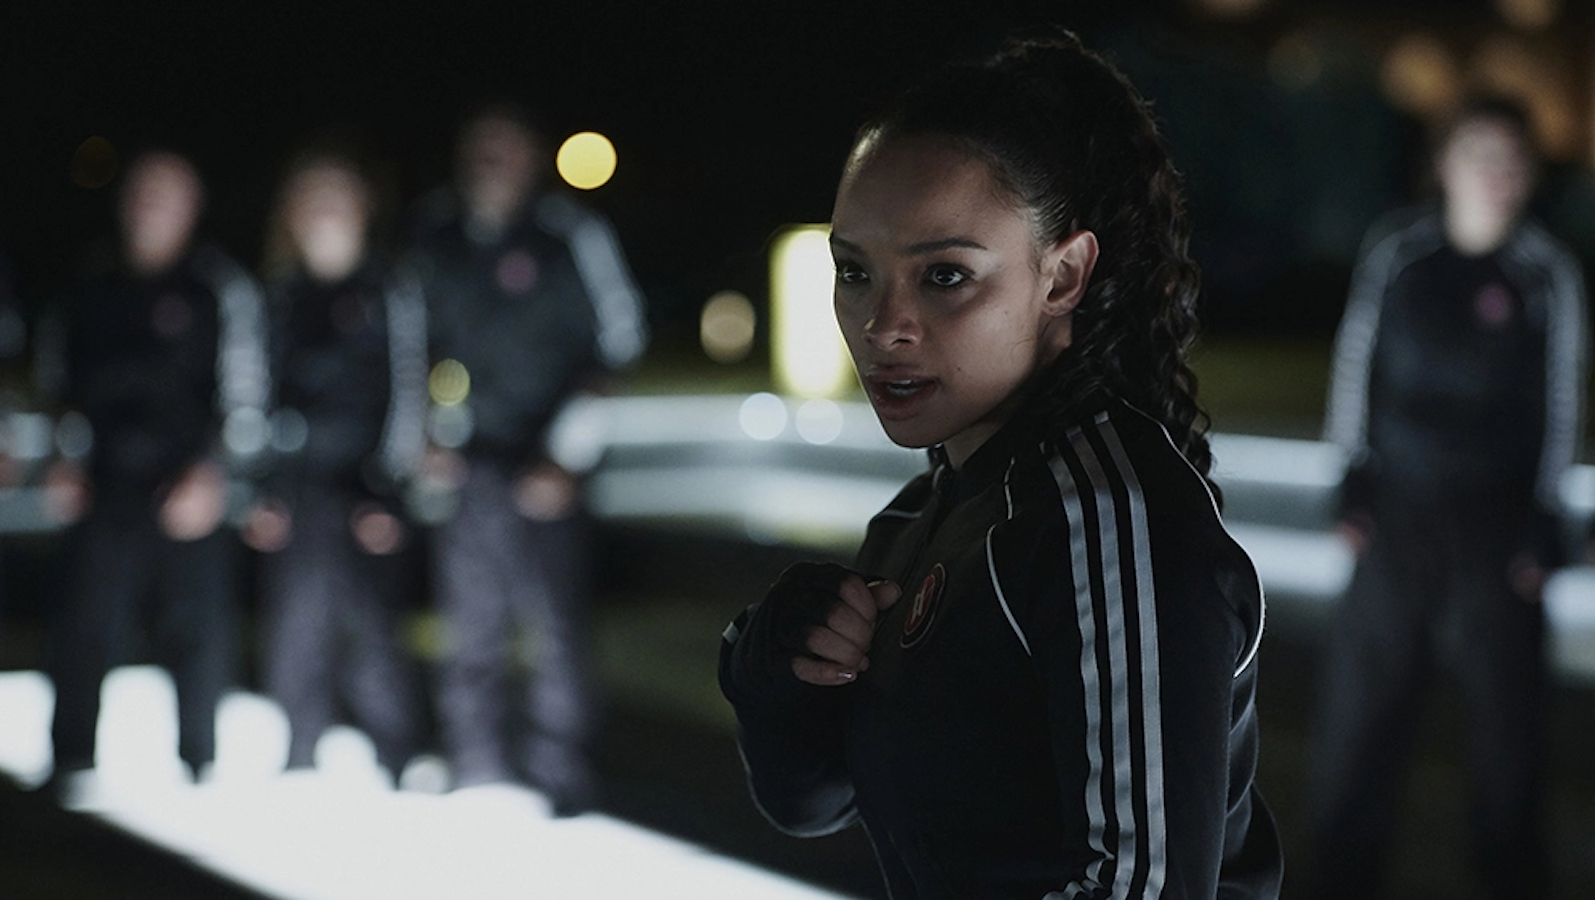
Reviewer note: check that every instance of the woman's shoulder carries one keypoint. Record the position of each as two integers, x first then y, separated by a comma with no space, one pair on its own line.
1125,457
1124,488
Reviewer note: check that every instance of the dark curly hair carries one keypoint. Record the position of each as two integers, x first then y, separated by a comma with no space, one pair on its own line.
1071,140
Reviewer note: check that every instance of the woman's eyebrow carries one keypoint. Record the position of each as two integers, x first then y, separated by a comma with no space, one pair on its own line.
944,244
918,249
844,244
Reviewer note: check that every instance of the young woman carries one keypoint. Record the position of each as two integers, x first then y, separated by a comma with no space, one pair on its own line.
1457,387
349,364
1038,679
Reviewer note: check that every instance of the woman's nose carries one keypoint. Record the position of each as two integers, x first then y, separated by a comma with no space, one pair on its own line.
894,320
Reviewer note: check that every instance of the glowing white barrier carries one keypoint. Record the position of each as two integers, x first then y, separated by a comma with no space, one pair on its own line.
337,832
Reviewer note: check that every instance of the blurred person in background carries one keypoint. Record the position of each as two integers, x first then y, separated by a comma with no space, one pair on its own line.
156,365
348,362
1457,395
13,341
14,386
529,302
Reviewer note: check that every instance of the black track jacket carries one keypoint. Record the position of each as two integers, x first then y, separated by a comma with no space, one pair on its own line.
532,314
165,369
1459,374
350,365
1062,703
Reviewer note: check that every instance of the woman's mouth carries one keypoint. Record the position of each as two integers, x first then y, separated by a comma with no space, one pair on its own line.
904,388
900,398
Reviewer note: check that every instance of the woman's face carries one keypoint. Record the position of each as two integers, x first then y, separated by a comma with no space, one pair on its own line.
946,299
1486,170
327,214
159,207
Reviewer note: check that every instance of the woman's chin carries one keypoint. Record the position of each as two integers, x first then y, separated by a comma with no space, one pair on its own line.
906,434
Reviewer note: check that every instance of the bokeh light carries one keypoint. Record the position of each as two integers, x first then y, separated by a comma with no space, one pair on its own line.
1231,9
810,359
94,163
449,383
289,430
1527,71
819,421
1296,61
726,327
74,436
762,416
1420,75
586,160
1529,15
246,431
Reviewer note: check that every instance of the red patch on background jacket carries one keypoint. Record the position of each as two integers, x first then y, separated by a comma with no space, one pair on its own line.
516,272
922,613
1494,306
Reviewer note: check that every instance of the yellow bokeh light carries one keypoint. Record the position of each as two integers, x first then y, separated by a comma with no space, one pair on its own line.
586,160
1296,60
726,327
809,356
1525,71
1233,9
1420,75
449,383
94,163
1530,15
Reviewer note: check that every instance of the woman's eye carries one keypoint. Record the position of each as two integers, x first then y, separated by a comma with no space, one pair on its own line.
850,273
946,276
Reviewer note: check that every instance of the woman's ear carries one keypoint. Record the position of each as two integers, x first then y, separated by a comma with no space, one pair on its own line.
1069,262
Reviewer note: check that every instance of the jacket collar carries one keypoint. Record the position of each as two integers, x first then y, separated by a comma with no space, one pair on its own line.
986,467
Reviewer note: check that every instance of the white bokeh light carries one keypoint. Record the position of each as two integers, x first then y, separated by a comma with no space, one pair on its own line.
763,416
819,421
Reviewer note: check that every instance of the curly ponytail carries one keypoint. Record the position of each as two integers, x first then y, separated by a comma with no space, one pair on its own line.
1072,141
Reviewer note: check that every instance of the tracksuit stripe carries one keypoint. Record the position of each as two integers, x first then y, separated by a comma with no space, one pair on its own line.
1346,420
1151,688
1109,606
1116,614
1085,619
1564,358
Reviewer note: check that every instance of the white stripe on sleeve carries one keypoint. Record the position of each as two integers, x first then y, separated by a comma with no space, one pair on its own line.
618,305
1085,620
1566,342
1120,528
404,431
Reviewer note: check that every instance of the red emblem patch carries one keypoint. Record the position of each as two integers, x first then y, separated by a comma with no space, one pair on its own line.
922,613
517,272
171,317
1494,306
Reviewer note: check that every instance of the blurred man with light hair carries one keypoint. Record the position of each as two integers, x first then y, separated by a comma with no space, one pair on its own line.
529,301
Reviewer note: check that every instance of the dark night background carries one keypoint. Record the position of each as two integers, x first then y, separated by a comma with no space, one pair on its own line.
730,118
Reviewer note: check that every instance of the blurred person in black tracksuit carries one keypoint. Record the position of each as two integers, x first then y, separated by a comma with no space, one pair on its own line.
348,354
1457,394
156,364
13,342
529,301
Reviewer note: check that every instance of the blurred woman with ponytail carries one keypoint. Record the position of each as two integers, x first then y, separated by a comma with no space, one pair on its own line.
349,366
1038,678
